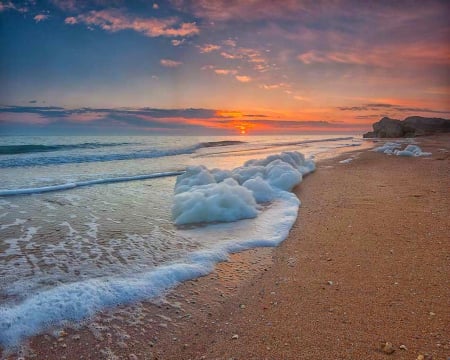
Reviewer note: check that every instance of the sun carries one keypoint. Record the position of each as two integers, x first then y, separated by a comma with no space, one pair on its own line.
243,132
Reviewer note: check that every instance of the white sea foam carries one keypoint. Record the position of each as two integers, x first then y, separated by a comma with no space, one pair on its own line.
346,161
412,150
71,302
68,186
393,148
204,195
75,301
16,222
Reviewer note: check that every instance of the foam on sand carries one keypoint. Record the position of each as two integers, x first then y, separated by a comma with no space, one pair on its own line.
204,195
393,148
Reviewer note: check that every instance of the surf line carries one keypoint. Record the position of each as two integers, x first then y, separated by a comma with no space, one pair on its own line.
73,185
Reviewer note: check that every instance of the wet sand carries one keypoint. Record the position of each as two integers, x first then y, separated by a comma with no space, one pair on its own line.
366,263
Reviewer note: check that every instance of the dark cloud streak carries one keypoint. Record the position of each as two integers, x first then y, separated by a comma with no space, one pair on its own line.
398,108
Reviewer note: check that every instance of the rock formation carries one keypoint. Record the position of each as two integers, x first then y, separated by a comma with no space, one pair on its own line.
410,127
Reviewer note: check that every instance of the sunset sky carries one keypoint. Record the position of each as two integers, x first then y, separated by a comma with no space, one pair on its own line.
220,67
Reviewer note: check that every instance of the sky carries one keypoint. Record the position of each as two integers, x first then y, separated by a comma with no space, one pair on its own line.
220,67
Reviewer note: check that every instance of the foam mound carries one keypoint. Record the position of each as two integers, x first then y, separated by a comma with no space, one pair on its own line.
203,195
412,150
393,148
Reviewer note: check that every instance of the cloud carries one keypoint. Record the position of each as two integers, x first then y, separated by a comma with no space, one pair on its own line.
79,5
45,111
66,5
51,119
32,102
177,42
114,20
255,115
60,112
6,5
322,57
300,98
225,71
243,78
274,86
41,17
170,63
227,55
155,6
207,48
391,107
71,20
229,42
252,56
225,10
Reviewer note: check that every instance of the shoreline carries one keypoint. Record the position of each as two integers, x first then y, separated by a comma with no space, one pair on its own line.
237,299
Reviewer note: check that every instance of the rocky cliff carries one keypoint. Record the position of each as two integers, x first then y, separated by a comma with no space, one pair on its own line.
410,127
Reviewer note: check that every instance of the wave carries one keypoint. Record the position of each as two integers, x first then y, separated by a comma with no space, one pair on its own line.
72,185
291,143
76,301
275,175
87,158
221,143
282,144
27,149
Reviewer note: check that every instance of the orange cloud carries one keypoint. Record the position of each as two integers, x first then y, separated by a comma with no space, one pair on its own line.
229,114
243,78
41,17
225,71
114,20
207,48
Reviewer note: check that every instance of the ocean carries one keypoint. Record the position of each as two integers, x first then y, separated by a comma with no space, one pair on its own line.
87,223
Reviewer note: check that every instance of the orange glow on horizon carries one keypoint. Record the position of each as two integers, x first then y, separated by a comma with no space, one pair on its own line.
229,114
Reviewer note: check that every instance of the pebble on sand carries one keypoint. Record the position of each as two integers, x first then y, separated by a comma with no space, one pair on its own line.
387,347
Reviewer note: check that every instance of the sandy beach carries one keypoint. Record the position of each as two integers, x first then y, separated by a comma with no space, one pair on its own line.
366,263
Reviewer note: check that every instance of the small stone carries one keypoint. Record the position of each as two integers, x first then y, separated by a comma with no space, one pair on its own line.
76,337
387,347
420,357
62,333
64,345
242,306
403,347
132,357
329,282
185,346
432,313
235,337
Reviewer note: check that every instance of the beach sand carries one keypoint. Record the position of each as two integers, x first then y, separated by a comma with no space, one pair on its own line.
367,262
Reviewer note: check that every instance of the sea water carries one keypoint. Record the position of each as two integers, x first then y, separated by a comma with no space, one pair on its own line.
88,222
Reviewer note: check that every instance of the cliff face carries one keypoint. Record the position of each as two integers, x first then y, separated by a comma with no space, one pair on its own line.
410,127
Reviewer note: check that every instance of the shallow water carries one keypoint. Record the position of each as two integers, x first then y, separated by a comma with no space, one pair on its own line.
108,241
